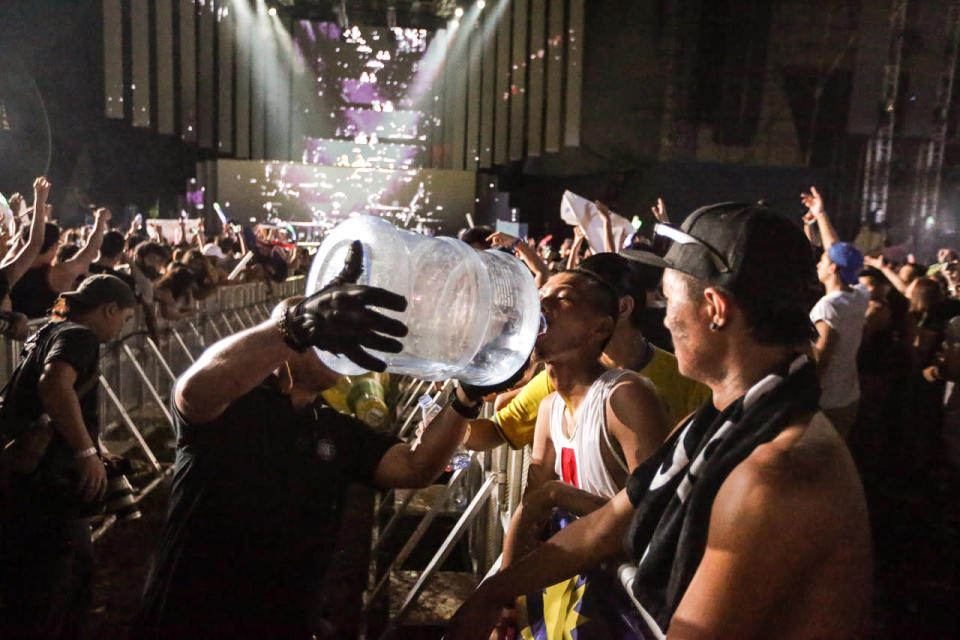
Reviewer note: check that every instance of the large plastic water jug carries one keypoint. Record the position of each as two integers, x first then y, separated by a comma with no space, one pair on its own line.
472,315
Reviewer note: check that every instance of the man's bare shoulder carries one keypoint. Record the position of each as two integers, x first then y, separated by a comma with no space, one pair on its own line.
631,389
802,487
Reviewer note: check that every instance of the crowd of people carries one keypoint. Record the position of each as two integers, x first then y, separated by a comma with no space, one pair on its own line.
43,260
700,408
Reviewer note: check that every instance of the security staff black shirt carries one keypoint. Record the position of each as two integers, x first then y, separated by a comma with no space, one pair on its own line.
253,515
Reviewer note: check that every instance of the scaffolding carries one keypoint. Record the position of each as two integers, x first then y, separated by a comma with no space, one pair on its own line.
879,152
929,168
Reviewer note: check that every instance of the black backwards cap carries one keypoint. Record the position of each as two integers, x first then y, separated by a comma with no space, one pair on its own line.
746,248
102,289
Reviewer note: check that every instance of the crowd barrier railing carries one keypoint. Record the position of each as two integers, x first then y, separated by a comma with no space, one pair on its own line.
492,483
137,373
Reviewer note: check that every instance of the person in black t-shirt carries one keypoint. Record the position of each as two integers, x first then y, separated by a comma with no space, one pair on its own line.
261,466
46,552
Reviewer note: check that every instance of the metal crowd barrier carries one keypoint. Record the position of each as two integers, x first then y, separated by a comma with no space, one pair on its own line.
137,373
493,482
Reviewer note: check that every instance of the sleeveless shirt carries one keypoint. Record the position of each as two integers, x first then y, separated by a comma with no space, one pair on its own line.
579,459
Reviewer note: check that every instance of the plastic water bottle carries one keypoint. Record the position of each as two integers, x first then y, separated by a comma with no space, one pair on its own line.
428,411
460,459
471,315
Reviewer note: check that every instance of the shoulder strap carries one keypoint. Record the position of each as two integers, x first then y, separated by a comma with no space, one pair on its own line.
608,387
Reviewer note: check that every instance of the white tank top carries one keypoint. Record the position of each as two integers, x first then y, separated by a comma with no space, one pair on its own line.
579,459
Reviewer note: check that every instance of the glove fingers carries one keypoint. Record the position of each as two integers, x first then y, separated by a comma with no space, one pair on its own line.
352,266
364,359
380,343
377,297
383,324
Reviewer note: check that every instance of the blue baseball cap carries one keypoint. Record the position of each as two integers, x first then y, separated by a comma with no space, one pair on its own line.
848,259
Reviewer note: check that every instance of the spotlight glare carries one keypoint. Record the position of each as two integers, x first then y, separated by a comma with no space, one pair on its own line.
272,11
458,12
481,4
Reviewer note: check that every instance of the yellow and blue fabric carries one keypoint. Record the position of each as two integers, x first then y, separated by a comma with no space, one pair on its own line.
590,606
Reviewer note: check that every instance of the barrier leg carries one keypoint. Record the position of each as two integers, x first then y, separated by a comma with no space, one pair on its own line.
414,538
150,388
458,530
183,345
381,536
223,316
213,325
163,361
253,321
130,423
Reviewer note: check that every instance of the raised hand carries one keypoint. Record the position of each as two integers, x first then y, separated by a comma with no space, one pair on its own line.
814,204
501,239
14,202
337,318
41,189
603,211
660,212
102,215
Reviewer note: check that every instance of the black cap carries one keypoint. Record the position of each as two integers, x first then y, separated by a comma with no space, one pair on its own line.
102,289
747,248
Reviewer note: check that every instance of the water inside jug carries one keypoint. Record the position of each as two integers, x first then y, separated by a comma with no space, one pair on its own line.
472,315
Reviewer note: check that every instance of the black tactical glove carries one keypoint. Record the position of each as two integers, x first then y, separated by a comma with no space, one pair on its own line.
336,318
475,393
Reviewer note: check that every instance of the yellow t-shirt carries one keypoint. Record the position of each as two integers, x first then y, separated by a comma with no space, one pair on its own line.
681,396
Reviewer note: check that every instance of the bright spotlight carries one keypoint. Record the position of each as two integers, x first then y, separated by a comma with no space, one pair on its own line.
481,4
458,12
454,24
272,11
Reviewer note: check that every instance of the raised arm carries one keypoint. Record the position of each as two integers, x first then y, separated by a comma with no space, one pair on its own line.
815,211
529,256
63,275
891,275
22,260
604,212
579,237
336,319
228,370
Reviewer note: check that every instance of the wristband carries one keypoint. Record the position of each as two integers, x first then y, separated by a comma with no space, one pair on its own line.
85,453
515,245
283,325
463,410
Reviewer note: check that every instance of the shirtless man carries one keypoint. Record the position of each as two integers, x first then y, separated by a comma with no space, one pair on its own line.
750,521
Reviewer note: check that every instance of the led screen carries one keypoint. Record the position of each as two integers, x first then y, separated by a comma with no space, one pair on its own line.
428,200
366,104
